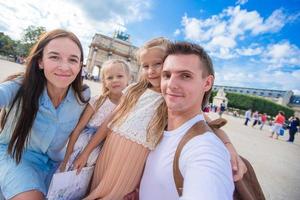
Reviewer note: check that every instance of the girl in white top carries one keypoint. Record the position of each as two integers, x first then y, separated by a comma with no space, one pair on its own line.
121,161
115,75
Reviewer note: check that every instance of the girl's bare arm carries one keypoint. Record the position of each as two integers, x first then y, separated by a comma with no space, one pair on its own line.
84,119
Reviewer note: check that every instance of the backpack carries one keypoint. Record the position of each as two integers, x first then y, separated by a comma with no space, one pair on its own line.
247,188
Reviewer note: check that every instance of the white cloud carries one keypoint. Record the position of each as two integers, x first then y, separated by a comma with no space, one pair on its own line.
285,80
221,33
220,47
177,32
84,21
123,11
250,51
219,29
241,21
241,2
192,28
272,24
258,77
223,41
282,54
210,32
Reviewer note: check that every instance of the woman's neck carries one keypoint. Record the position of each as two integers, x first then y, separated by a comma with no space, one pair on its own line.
56,95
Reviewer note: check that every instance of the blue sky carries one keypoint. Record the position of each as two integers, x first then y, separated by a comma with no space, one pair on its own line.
253,43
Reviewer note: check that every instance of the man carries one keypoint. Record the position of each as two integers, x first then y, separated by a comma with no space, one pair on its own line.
294,123
187,79
247,116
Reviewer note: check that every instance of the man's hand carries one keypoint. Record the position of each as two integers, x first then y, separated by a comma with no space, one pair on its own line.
238,166
132,195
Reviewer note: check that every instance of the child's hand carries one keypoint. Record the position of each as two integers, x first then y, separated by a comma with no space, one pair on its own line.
62,166
80,162
238,166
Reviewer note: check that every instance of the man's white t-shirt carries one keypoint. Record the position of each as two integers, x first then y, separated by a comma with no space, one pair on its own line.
204,163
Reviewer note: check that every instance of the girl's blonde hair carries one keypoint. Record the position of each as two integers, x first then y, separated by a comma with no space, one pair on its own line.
104,89
128,101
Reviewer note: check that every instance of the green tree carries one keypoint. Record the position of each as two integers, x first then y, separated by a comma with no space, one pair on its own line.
20,48
7,45
244,102
30,36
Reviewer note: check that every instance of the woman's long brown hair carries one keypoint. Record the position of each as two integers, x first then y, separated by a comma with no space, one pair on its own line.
33,83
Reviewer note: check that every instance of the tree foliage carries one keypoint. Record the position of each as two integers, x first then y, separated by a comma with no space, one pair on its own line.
7,45
30,36
10,47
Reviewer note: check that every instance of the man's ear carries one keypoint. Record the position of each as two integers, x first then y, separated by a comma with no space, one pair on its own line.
209,81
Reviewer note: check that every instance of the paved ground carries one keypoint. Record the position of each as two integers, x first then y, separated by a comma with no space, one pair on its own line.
276,162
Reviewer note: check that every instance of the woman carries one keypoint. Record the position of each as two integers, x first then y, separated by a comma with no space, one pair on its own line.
42,108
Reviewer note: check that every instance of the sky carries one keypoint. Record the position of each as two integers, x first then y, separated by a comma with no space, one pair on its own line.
253,43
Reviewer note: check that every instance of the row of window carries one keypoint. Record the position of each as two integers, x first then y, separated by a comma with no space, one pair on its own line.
253,92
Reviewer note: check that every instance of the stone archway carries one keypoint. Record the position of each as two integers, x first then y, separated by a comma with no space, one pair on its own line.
96,73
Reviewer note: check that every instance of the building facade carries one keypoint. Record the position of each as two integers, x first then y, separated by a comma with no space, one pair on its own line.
103,48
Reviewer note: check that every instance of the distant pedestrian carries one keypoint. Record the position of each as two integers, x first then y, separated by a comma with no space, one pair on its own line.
263,120
278,123
255,118
235,113
206,109
222,108
215,108
247,116
95,74
293,128
84,73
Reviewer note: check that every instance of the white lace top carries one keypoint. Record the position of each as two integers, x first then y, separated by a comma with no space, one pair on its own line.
105,109
134,127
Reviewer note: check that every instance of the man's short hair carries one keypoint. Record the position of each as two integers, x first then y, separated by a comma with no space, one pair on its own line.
187,48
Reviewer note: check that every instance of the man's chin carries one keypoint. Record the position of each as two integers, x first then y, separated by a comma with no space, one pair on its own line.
174,107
